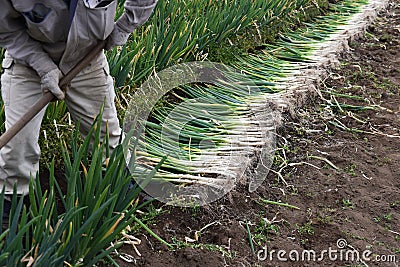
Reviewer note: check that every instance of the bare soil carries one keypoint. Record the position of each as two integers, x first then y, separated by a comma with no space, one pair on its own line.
339,166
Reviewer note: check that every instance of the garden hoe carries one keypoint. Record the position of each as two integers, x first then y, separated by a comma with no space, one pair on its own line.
48,96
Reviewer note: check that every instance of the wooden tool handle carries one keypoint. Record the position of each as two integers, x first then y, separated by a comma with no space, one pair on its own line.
48,97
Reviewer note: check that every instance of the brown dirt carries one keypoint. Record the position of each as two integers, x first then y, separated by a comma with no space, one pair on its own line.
358,202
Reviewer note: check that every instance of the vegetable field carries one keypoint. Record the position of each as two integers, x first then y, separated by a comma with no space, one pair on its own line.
331,132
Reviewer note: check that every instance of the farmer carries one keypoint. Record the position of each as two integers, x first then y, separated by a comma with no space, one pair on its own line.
44,40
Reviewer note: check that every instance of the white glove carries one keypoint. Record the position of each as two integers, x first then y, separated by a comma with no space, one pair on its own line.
116,38
50,82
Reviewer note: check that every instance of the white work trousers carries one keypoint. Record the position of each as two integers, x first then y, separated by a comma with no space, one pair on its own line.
20,89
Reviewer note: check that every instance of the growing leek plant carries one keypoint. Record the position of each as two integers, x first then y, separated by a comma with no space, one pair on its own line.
73,226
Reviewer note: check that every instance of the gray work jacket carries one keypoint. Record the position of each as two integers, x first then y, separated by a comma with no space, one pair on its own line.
37,33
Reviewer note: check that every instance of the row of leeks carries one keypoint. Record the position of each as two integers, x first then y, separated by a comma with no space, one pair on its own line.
215,135
310,46
182,31
206,138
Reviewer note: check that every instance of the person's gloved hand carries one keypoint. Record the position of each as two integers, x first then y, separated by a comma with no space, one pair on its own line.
49,82
116,38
